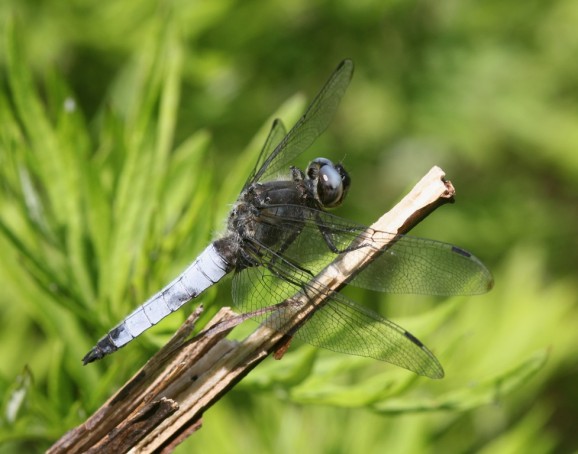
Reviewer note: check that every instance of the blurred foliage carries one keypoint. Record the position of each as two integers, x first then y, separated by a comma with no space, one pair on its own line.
120,130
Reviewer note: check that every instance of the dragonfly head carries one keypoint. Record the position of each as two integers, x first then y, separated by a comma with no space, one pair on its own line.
329,182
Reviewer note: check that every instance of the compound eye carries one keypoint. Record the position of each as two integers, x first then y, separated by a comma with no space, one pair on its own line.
330,186
329,182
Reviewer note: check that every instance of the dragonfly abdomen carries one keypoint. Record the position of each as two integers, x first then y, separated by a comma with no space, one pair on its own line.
206,270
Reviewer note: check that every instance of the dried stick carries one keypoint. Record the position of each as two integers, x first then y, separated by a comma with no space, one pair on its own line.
163,403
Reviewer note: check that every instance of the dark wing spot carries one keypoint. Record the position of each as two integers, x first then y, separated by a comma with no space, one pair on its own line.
414,339
460,251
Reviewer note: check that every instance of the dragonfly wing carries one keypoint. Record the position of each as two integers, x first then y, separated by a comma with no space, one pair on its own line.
344,326
315,120
338,324
274,138
410,266
427,267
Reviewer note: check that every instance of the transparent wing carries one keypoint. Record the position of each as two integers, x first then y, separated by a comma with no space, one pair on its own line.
315,120
410,266
274,138
338,324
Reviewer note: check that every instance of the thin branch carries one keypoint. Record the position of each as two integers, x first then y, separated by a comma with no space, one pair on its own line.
164,402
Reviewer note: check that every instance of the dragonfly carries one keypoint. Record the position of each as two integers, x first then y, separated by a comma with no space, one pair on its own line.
279,236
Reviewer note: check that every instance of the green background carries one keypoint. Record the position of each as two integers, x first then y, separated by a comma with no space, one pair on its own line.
127,129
